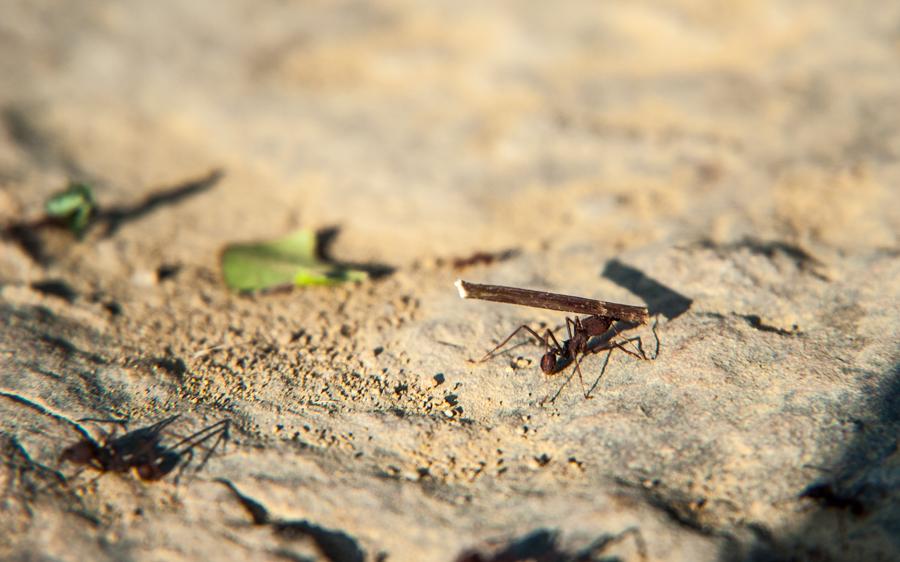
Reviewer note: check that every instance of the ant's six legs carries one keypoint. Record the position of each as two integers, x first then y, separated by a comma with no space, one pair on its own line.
609,346
581,331
640,354
548,335
609,349
571,326
219,430
490,354
181,454
577,371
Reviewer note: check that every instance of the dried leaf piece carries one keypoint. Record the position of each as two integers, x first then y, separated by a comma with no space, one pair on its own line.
290,260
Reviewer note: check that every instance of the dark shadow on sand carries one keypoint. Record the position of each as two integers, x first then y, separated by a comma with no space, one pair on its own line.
325,238
29,234
542,545
856,498
334,545
659,298
113,218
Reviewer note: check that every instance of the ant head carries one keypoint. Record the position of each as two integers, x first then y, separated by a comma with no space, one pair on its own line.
82,452
548,362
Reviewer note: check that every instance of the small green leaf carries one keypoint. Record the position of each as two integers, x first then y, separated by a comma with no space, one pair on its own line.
287,261
74,206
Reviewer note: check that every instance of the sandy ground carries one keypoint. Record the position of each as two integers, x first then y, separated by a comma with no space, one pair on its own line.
734,166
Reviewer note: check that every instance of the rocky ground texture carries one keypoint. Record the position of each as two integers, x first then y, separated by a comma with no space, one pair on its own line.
733,166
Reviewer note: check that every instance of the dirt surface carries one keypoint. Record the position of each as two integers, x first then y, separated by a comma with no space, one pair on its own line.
732,166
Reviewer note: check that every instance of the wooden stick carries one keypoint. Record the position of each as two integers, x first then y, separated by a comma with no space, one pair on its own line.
553,301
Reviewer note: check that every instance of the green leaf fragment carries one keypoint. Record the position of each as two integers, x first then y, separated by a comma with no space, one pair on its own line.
287,261
74,206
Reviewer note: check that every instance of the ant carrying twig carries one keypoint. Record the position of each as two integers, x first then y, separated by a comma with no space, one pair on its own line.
603,317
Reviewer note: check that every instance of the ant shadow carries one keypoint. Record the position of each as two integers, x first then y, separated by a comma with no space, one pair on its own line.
543,545
28,480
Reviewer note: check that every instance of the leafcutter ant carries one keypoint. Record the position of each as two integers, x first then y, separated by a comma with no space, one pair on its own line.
602,317
144,451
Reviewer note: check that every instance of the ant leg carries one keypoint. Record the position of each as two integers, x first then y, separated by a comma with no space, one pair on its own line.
580,377
71,479
89,483
639,346
577,371
159,426
609,350
559,391
602,370
200,436
548,335
218,430
490,354
222,436
183,465
617,345
107,436
640,343
166,460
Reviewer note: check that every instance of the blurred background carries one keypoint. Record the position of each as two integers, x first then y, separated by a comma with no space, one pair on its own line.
423,128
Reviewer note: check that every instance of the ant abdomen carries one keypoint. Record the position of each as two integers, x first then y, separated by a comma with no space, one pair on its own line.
159,467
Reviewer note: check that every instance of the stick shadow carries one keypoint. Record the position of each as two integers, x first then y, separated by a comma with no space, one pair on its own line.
659,298
325,238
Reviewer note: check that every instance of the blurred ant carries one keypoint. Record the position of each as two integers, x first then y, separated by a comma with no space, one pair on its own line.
144,451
